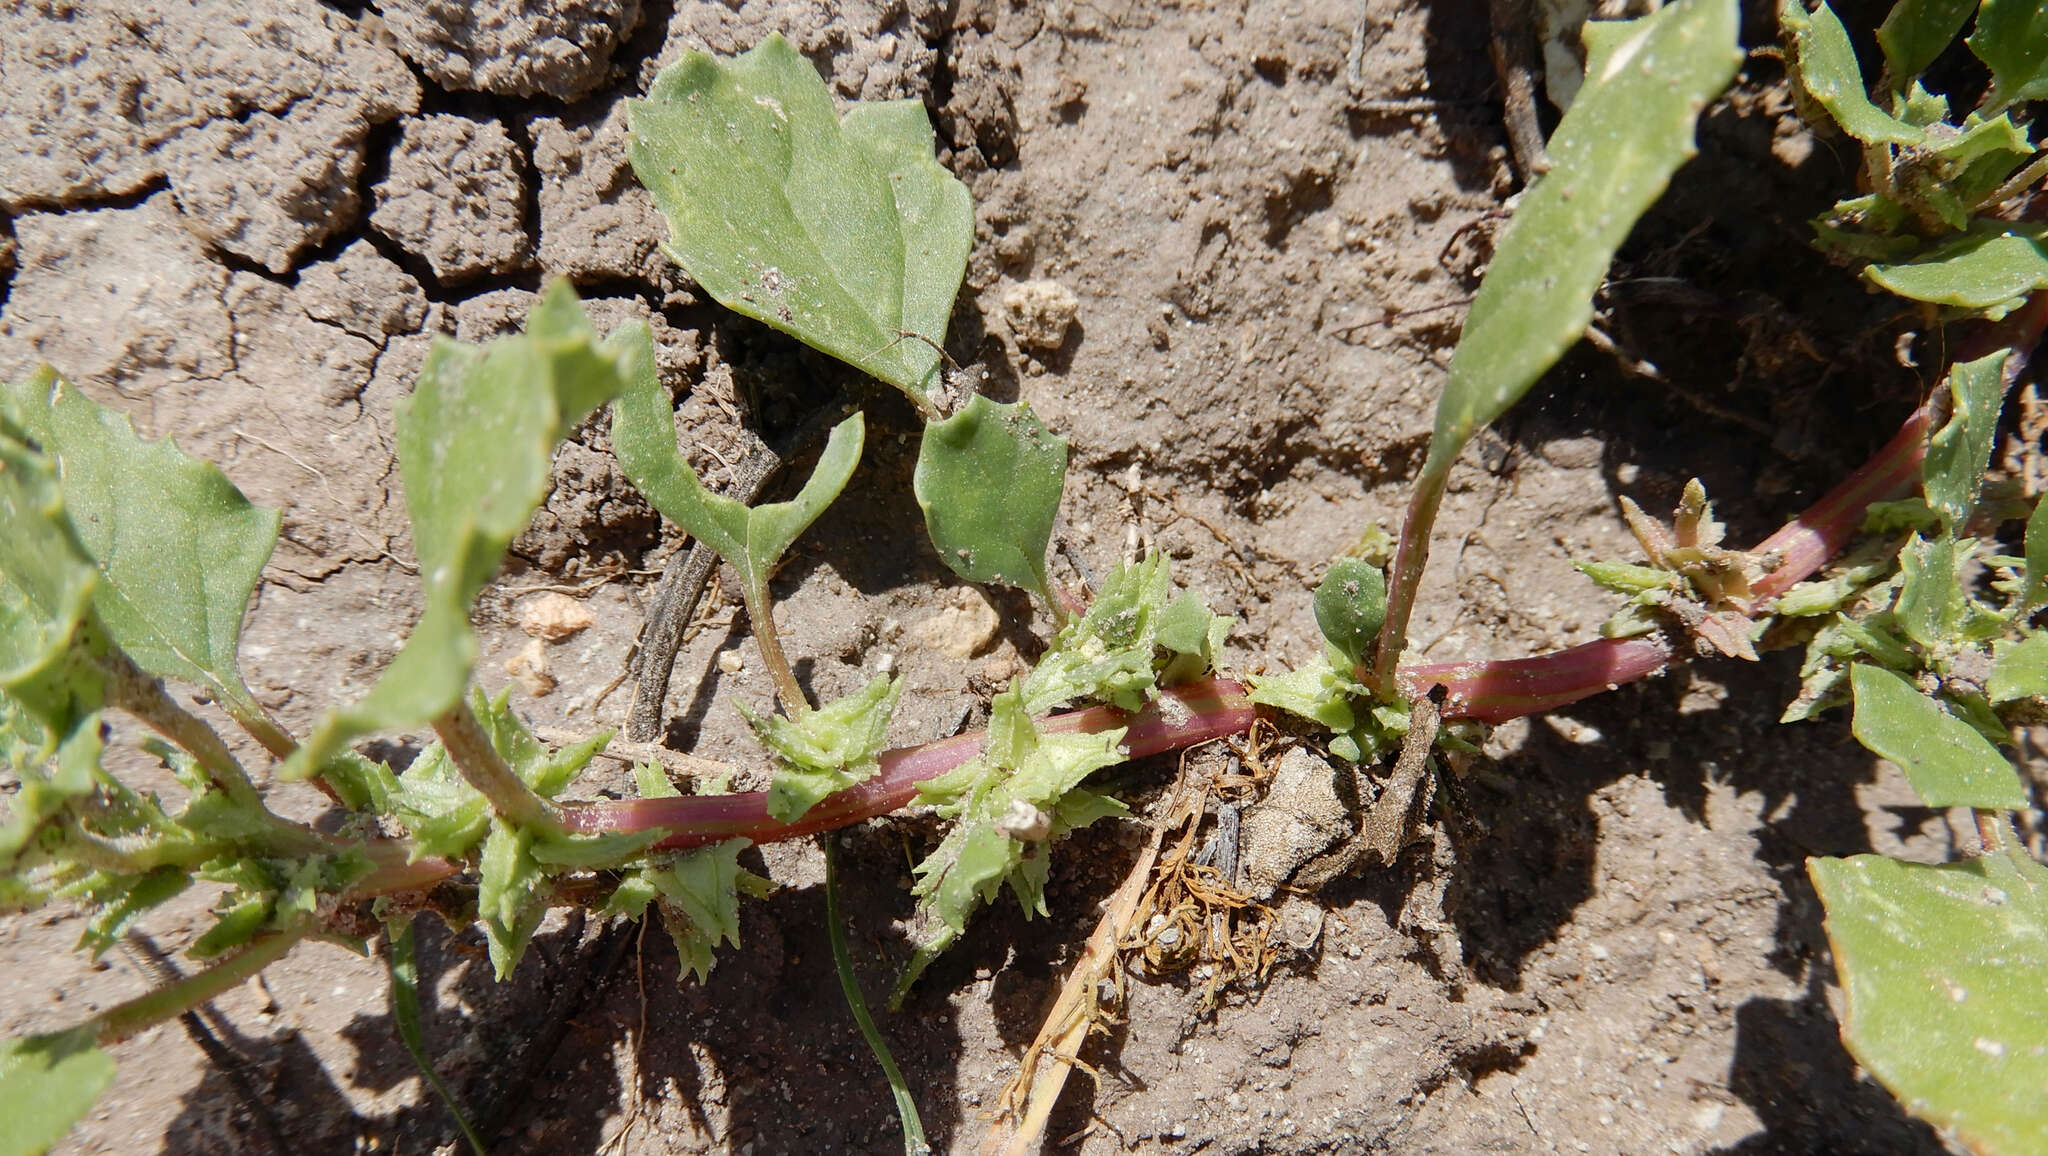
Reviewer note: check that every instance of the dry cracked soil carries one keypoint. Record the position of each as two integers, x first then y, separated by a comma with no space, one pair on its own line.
243,223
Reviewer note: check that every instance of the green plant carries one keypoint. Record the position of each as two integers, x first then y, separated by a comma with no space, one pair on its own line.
123,563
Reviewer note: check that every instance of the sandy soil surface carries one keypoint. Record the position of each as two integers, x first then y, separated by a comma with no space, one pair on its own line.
243,223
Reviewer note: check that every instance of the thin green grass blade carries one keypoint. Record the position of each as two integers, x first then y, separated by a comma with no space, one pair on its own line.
405,1012
914,1142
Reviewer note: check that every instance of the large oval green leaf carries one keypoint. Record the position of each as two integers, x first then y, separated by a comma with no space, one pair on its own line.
846,235
1945,973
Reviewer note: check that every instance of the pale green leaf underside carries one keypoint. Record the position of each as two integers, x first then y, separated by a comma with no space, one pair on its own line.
180,547
1945,971
1977,272
989,480
843,234
1628,130
47,1084
476,443
1945,759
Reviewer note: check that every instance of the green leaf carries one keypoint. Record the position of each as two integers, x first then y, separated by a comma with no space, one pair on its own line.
1983,271
1945,973
700,902
508,894
476,442
1931,605
122,899
1959,451
1916,32
547,772
1021,770
1019,795
47,630
1351,603
988,479
1193,635
1319,692
178,545
46,786
2011,38
844,235
1947,761
2019,670
1628,130
753,539
47,1084
236,926
405,1013
1629,579
2036,591
825,750
1109,653
445,815
1826,66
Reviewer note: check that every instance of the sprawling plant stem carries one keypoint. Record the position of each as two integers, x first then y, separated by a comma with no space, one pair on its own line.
1497,690
168,1002
1183,716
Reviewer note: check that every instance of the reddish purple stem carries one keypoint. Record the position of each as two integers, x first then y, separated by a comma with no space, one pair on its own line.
1490,691
1182,717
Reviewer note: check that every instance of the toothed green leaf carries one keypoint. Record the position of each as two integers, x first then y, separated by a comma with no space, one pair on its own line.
1108,653
1826,65
508,902
700,901
1959,451
825,750
178,546
445,815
